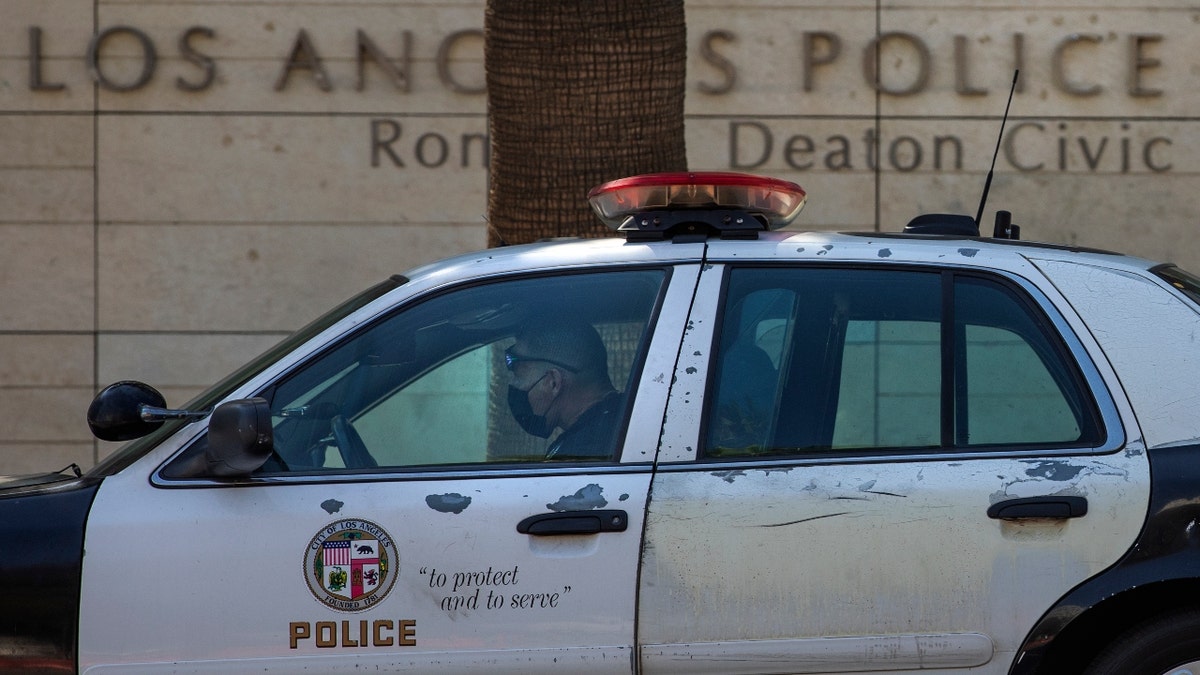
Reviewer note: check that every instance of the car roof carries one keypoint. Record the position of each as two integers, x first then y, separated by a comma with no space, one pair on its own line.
897,246
568,253
556,254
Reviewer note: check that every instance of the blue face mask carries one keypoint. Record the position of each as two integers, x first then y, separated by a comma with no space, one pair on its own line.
522,411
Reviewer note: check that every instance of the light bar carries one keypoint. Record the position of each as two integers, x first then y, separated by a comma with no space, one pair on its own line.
778,201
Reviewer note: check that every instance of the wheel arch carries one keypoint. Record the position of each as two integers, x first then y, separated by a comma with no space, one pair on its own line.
1088,632
1159,574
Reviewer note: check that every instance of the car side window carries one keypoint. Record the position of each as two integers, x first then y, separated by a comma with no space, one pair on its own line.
826,360
457,378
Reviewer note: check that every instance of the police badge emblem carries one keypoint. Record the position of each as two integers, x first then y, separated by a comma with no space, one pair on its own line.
351,565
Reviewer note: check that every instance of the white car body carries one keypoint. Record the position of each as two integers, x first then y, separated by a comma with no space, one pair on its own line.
884,561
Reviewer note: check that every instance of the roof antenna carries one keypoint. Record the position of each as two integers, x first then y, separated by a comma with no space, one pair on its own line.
987,185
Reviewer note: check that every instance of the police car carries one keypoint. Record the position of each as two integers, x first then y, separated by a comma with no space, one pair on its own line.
704,447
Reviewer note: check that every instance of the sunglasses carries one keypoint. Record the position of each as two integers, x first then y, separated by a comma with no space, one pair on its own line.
511,360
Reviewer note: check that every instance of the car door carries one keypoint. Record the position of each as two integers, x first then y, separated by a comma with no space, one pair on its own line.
405,522
899,467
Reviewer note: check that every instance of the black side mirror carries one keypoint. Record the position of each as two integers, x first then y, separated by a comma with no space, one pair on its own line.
116,412
240,437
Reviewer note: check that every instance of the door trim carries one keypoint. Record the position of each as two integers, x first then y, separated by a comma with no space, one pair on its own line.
820,655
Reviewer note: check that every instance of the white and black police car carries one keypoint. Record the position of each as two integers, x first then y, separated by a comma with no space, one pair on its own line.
705,447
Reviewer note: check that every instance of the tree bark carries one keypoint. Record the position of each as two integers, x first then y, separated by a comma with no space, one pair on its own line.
580,92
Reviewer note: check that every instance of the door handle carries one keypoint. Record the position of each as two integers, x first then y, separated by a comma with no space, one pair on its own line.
1049,506
574,522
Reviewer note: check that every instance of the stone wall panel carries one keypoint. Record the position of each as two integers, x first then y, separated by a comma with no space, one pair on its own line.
243,278
167,217
186,361
291,169
46,360
249,47
46,278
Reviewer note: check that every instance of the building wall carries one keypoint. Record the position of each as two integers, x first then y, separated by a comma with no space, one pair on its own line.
183,183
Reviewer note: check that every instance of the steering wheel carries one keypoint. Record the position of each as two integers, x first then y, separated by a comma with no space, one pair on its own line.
350,445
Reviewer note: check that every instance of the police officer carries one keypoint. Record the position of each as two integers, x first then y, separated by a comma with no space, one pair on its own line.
560,381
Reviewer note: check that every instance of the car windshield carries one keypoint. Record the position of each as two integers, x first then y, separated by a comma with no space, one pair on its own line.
206,400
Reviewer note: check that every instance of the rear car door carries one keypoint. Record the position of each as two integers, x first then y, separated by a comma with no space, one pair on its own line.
406,521
899,467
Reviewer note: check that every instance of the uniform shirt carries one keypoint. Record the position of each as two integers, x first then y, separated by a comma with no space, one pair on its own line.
592,435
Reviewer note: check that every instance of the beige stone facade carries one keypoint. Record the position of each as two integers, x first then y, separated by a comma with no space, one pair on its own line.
182,183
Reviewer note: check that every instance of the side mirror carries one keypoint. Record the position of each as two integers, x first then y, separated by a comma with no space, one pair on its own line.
116,412
240,437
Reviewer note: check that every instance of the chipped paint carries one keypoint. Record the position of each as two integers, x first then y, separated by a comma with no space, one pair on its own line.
874,549
1053,470
1037,477
643,437
681,420
587,497
448,503
867,488
885,253
806,520
729,476
332,506
968,252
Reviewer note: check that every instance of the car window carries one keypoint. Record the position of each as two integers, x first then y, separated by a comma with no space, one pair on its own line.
843,360
430,384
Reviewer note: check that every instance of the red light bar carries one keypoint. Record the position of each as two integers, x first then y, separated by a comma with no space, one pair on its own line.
778,201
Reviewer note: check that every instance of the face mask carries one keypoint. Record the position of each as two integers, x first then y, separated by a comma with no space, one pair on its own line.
522,412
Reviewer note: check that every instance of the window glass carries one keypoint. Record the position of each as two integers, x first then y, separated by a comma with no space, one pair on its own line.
835,360
432,383
1018,390
890,385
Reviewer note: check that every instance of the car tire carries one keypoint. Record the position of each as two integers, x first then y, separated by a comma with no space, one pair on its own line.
1166,645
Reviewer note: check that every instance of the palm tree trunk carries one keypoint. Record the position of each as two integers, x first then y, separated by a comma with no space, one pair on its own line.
579,92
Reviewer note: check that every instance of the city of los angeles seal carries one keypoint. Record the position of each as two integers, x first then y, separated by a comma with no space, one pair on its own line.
350,565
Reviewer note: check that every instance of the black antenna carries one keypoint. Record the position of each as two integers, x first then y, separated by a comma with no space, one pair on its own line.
987,185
